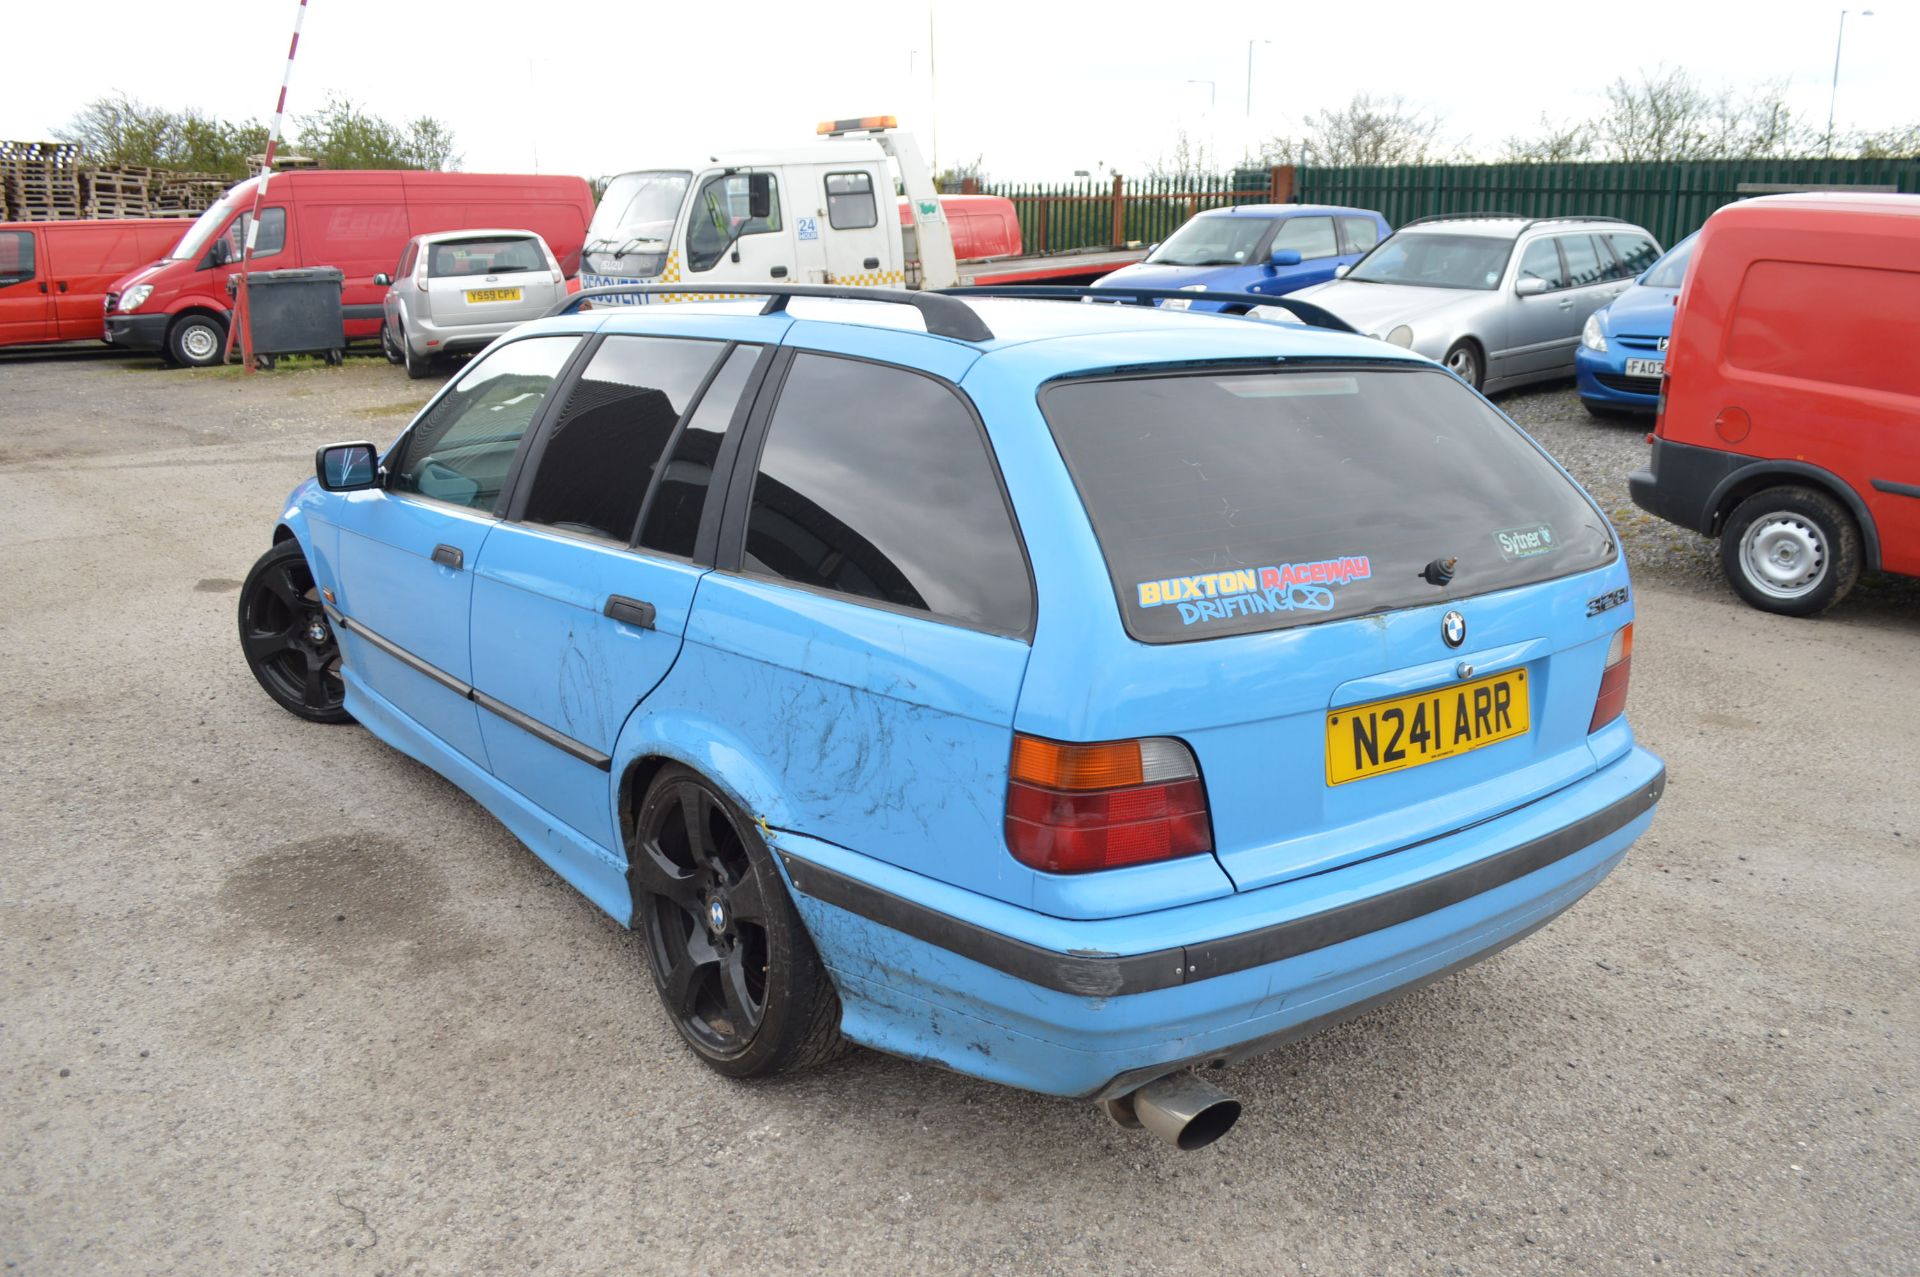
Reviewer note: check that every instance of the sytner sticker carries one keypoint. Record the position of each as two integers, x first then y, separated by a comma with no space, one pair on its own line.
1526,543
1287,587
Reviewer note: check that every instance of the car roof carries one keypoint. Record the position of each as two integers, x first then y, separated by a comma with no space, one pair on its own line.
1496,226
1053,337
1285,210
441,237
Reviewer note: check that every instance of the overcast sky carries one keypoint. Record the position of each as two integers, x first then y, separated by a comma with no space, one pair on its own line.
1039,89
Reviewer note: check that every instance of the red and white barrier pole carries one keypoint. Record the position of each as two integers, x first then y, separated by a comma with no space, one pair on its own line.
243,313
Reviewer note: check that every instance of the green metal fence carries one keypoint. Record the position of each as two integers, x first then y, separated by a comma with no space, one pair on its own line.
1671,200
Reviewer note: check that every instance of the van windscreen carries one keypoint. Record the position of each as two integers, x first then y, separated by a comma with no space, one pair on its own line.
1232,502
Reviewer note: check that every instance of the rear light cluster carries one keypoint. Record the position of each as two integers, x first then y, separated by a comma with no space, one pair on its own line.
1612,701
1075,808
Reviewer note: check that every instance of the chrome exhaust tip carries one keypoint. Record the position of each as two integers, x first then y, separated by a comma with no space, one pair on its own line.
1180,1108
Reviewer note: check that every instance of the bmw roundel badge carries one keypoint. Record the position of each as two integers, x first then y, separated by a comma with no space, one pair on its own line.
1453,628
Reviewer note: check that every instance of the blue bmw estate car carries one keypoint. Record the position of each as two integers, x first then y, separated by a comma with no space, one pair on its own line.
1269,249
1067,695
1623,348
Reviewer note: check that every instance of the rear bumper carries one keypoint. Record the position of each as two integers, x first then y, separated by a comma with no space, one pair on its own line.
1680,481
137,332
451,339
1096,1008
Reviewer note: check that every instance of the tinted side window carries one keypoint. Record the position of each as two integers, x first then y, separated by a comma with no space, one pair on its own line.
1309,236
1542,261
599,454
16,256
1586,262
719,210
850,204
461,449
1636,251
680,496
1362,233
876,482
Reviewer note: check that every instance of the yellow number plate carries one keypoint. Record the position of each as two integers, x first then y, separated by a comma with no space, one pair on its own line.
1393,735
493,294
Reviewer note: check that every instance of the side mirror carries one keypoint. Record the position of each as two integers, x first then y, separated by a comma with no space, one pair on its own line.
759,196
1530,286
383,279
1341,270
347,467
221,252
1285,257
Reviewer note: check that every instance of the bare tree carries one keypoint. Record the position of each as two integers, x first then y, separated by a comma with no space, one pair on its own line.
1666,115
1190,158
1900,143
1557,142
1368,130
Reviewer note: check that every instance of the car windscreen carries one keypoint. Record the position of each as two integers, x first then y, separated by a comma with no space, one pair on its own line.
204,228
1429,259
638,206
1671,271
497,255
1229,502
1212,241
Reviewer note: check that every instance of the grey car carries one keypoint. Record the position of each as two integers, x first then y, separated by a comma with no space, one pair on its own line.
456,291
1499,299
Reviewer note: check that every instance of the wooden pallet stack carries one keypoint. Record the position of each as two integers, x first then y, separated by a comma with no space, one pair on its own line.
40,180
186,194
120,191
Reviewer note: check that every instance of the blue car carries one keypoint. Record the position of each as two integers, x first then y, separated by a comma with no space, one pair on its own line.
1065,695
1254,248
1623,348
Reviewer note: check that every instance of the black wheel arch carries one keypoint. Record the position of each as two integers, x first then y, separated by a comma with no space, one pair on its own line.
1761,475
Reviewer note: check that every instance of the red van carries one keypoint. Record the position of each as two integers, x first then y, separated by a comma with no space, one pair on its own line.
53,275
356,220
1789,420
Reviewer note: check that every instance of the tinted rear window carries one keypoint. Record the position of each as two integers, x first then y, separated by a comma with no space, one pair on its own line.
1232,502
497,256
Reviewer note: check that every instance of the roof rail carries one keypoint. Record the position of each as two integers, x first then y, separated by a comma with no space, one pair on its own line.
945,316
1306,312
1528,223
1483,215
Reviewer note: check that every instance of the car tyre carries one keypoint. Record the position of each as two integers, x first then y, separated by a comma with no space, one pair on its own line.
197,341
1791,550
731,961
387,345
287,638
1465,359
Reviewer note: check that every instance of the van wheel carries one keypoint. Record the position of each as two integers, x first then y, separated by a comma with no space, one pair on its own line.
197,341
1791,550
732,963
287,640
1463,357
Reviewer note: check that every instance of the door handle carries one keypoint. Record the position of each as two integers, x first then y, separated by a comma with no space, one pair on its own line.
629,611
778,272
63,285
448,556
872,263
43,285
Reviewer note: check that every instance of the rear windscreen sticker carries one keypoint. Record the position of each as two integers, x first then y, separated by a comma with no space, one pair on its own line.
1526,543
1289,587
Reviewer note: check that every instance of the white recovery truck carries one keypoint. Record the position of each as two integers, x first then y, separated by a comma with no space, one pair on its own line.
825,213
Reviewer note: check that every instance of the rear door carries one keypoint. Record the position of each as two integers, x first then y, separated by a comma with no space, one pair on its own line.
26,306
85,258
489,279
1276,541
859,247
579,607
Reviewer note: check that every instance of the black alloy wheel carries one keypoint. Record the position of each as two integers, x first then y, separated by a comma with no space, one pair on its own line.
287,640
733,965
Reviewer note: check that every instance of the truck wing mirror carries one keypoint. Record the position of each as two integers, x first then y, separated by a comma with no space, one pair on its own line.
347,467
759,196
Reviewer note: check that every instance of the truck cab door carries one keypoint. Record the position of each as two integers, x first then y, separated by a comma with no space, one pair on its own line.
727,238
860,248
26,310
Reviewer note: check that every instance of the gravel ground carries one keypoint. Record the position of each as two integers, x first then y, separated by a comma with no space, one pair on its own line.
275,999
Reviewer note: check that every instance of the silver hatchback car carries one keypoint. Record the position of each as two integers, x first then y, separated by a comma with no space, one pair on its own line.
456,291
1499,299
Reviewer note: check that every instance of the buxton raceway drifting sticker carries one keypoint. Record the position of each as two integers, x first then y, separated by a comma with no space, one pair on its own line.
1220,596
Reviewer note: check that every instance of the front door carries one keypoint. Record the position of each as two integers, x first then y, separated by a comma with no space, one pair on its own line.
725,242
1540,326
579,608
26,312
408,550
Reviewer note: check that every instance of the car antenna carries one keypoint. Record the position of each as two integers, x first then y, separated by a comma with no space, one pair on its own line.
1440,571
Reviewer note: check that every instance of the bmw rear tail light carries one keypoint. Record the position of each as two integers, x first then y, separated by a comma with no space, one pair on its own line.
1612,701
1076,808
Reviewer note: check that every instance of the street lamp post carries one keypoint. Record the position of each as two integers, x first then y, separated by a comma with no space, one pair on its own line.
1249,103
1833,93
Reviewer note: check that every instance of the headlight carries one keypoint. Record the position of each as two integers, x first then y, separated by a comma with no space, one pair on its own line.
1182,303
1401,337
131,299
1591,336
